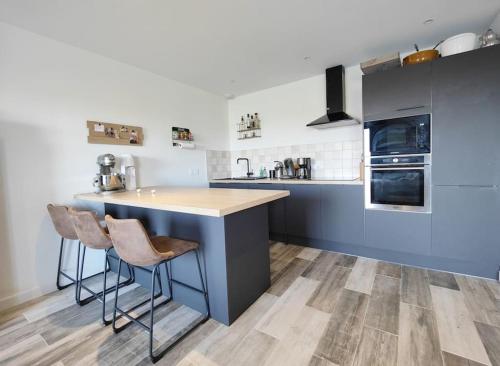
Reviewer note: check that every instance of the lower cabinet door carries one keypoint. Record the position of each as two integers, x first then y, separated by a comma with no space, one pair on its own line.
276,208
407,232
342,213
466,222
303,211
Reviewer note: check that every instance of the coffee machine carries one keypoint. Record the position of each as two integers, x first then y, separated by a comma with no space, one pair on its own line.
108,180
304,171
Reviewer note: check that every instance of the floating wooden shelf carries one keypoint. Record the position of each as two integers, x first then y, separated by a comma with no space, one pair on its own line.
249,129
249,137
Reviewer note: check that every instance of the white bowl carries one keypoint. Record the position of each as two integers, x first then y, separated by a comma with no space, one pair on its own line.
460,43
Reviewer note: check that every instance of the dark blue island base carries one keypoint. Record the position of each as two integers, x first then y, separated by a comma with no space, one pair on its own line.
234,254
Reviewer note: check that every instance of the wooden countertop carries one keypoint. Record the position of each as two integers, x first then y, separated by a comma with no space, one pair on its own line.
216,202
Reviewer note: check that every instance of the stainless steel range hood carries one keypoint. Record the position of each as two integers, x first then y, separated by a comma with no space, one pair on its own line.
335,102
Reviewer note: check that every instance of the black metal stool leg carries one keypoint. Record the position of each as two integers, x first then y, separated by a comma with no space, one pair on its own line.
203,287
169,280
77,270
58,283
60,271
116,295
154,358
79,275
151,312
104,289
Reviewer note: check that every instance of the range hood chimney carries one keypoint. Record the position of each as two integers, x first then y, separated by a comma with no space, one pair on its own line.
335,102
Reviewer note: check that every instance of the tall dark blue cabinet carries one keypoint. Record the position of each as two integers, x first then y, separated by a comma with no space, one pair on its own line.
466,159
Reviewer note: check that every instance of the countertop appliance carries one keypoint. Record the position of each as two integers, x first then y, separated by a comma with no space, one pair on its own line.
304,171
398,136
289,169
278,168
335,101
107,179
398,164
127,169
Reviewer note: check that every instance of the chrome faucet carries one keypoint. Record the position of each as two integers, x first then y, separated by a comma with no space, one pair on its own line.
249,174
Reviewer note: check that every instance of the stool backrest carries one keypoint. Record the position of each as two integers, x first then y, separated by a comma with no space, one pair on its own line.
62,221
131,241
89,230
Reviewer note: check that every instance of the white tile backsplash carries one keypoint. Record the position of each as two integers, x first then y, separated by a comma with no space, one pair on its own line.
334,160
218,164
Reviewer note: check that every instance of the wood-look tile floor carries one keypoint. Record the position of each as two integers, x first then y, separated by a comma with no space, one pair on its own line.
323,309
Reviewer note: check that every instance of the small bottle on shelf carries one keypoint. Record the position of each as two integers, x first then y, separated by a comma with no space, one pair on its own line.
257,120
242,124
248,121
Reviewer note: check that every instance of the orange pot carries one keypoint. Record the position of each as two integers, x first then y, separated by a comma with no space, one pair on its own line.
420,57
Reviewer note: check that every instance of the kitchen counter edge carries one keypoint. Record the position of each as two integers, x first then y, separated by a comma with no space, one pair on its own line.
288,181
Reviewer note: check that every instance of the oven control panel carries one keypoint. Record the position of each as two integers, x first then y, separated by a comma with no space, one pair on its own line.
400,160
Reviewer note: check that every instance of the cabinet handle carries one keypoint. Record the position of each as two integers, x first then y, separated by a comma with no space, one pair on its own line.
409,108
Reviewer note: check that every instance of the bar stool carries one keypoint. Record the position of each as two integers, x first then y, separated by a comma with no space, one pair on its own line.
93,235
64,227
135,247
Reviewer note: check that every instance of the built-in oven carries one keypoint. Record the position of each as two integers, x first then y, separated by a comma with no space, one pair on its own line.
398,136
399,183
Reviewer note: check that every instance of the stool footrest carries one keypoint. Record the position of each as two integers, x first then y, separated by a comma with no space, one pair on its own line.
136,320
98,295
187,286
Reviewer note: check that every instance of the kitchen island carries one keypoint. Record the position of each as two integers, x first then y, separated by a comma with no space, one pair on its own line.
231,226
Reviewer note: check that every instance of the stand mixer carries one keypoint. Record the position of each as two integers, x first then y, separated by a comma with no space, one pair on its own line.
107,179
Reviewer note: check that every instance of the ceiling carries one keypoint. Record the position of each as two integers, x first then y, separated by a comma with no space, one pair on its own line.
233,47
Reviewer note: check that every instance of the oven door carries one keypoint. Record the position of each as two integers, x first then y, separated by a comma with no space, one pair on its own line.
399,136
398,188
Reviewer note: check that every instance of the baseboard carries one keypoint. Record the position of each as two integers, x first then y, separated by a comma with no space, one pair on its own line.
21,297
483,269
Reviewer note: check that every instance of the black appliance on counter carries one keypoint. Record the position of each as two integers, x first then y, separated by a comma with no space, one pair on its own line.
304,171
398,164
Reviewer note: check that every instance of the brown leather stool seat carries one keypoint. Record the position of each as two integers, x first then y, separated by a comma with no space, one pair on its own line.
93,235
169,248
133,245
89,230
64,227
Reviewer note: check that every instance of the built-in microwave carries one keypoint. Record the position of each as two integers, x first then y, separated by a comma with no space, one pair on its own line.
398,136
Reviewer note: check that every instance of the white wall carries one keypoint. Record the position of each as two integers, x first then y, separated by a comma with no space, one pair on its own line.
286,109
47,92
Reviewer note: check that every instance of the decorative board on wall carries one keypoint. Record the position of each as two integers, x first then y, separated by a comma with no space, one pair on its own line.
114,134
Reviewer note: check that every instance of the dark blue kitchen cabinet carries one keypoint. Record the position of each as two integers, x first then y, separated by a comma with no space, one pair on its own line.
398,92
277,224
229,185
466,223
466,118
406,232
342,213
303,211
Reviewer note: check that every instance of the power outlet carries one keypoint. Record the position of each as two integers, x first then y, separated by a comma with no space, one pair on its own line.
194,172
